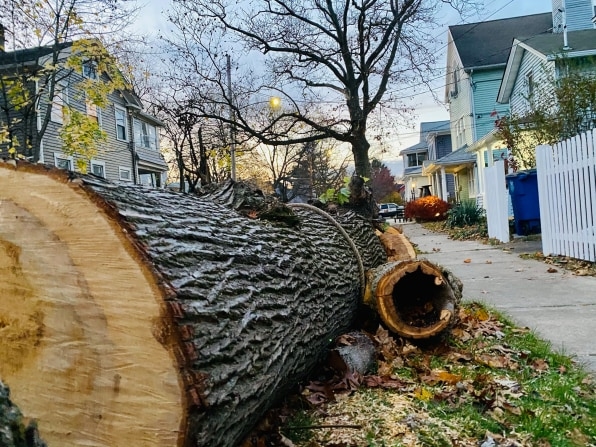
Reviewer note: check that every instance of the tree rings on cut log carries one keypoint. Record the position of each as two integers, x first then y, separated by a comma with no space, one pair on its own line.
76,319
414,298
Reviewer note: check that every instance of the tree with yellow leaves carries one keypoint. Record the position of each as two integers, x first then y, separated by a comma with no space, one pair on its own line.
46,46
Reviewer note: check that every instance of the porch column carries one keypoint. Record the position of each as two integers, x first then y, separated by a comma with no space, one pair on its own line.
444,185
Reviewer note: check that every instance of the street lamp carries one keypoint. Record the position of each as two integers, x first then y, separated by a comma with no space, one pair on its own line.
275,102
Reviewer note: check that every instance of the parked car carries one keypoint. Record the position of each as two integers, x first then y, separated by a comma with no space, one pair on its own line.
388,210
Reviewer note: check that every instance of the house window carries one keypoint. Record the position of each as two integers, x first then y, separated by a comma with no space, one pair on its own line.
93,112
145,135
455,87
147,179
472,182
90,70
58,103
125,174
62,161
530,85
416,159
460,133
98,168
121,127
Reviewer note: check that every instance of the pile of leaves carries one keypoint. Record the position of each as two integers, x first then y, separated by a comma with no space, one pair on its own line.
427,209
577,266
475,232
489,384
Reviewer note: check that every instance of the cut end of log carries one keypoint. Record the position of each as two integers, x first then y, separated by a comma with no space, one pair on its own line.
414,299
397,246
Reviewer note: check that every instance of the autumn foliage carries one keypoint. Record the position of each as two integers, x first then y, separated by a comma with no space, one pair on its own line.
427,208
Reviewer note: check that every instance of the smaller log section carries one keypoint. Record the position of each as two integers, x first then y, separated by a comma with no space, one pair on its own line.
413,297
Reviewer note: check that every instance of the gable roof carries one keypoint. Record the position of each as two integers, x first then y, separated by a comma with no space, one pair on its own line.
551,45
486,44
547,47
452,159
427,128
32,55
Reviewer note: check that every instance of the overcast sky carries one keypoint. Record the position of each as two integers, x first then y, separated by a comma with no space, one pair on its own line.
426,109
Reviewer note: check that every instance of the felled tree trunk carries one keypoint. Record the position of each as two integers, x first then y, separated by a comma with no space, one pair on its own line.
148,318
415,298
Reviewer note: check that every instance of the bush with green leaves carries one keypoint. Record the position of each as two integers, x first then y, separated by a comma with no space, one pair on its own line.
464,213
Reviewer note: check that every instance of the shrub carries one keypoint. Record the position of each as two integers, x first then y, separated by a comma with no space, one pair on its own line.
427,208
465,213
392,197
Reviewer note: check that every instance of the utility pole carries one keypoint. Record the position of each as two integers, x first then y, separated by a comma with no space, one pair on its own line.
232,120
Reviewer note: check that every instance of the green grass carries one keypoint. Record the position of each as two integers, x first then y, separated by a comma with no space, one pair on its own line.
498,379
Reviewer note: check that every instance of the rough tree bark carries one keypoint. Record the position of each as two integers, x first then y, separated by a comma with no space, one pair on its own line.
165,319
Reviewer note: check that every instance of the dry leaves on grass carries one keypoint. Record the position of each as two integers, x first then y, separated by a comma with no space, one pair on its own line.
476,370
577,266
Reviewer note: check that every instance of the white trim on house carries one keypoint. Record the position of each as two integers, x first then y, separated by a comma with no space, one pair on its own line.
101,168
59,100
512,69
125,174
60,159
117,109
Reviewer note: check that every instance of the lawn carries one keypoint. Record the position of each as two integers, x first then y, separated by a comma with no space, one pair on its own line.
488,384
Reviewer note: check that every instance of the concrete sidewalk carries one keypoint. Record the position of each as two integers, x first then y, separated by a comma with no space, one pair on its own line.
559,307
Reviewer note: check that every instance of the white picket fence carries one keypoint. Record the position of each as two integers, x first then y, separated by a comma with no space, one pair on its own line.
567,192
497,204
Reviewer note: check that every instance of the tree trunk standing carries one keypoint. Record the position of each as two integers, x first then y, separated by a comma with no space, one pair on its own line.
168,319
360,147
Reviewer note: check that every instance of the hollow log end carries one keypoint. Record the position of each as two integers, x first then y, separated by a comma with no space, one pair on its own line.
417,299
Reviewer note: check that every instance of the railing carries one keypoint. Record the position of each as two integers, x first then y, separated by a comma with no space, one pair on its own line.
567,193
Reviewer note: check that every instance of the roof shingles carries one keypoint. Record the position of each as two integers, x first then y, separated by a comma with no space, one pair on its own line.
488,43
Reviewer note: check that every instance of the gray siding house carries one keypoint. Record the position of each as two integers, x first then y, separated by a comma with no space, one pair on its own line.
131,150
435,142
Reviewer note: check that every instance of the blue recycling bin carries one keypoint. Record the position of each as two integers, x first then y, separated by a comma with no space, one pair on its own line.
523,189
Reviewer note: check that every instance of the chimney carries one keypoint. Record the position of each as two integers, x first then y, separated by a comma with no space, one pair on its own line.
2,38
565,42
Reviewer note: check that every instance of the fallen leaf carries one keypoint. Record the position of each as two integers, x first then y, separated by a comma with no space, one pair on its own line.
461,334
512,408
492,361
445,377
481,314
467,261
507,383
579,437
345,340
422,394
540,365
488,262
436,249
